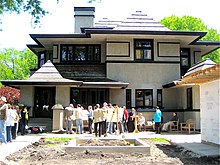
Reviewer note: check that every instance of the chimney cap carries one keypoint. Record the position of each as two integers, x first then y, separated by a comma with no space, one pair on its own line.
84,9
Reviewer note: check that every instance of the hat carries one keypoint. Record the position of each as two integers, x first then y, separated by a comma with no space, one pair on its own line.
3,99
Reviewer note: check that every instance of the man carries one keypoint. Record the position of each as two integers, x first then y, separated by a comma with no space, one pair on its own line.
141,122
3,118
90,118
69,118
78,118
157,119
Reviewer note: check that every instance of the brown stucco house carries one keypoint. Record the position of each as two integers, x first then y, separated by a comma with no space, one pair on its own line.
131,62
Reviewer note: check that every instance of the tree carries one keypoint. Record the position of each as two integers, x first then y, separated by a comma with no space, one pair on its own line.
33,7
16,64
12,95
189,23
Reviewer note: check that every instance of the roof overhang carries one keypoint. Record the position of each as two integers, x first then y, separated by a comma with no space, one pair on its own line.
199,77
19,83
120,85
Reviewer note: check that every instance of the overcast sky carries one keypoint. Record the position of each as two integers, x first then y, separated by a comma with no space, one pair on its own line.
16,28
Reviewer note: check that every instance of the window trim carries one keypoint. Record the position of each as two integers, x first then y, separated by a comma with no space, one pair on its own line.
142,48
128,92
161,92
86,54
144,90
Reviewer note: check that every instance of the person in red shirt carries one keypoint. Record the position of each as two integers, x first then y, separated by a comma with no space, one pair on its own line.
125,119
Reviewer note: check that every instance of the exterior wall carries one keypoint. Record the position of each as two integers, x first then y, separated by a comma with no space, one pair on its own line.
195,115
210,123
27,97
144,76
63,96
163,50
182,97
117,96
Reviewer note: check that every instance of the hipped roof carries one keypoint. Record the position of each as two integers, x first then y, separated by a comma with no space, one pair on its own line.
48,75
203,72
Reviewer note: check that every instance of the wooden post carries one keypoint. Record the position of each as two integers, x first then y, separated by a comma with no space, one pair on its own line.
135,124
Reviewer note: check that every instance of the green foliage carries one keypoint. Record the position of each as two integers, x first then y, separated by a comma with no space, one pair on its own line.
16,64
189,23
33,7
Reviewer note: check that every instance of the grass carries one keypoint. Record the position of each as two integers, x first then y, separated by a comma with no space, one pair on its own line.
56,140
162,140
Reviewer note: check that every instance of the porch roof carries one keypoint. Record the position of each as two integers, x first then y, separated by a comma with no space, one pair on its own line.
203,72
48,75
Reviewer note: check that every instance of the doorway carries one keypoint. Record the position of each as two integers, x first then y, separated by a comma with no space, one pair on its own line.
44,101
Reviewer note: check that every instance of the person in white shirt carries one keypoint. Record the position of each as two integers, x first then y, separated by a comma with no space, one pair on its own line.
78,118
9,122
141,122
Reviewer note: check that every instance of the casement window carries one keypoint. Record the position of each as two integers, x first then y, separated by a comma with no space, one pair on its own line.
144,97
184,60
41,59
143,49
128,98
159,98
80,53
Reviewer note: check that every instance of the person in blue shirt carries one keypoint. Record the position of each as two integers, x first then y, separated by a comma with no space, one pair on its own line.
157,120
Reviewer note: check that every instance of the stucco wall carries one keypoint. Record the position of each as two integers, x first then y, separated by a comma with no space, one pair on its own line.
117,96
63,96
27,97
144,76
210,116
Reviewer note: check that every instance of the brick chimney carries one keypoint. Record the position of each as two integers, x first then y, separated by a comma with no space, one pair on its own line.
84,17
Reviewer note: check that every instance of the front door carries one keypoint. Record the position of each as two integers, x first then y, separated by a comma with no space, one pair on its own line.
44,101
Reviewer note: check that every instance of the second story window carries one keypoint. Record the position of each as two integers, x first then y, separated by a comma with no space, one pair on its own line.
80,53
184,60
143,49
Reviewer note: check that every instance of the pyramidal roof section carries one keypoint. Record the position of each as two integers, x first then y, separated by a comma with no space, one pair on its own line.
137,21
47,71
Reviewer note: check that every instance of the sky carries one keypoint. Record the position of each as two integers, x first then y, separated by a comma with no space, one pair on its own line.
16,28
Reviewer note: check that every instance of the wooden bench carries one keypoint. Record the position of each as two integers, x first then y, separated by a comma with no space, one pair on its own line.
189,126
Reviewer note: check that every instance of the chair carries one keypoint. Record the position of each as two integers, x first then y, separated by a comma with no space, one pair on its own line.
174,125
188,126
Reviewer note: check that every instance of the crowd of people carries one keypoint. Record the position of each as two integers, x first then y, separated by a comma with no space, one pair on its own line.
12,119
102,120
107,119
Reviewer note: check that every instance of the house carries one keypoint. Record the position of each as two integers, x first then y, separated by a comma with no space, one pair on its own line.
203,81
129,62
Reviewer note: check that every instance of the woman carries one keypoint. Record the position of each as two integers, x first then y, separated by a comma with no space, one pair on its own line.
157,120
131,119
14,129
174,118
9,122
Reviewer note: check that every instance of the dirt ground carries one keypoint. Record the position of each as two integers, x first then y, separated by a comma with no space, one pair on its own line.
48,153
